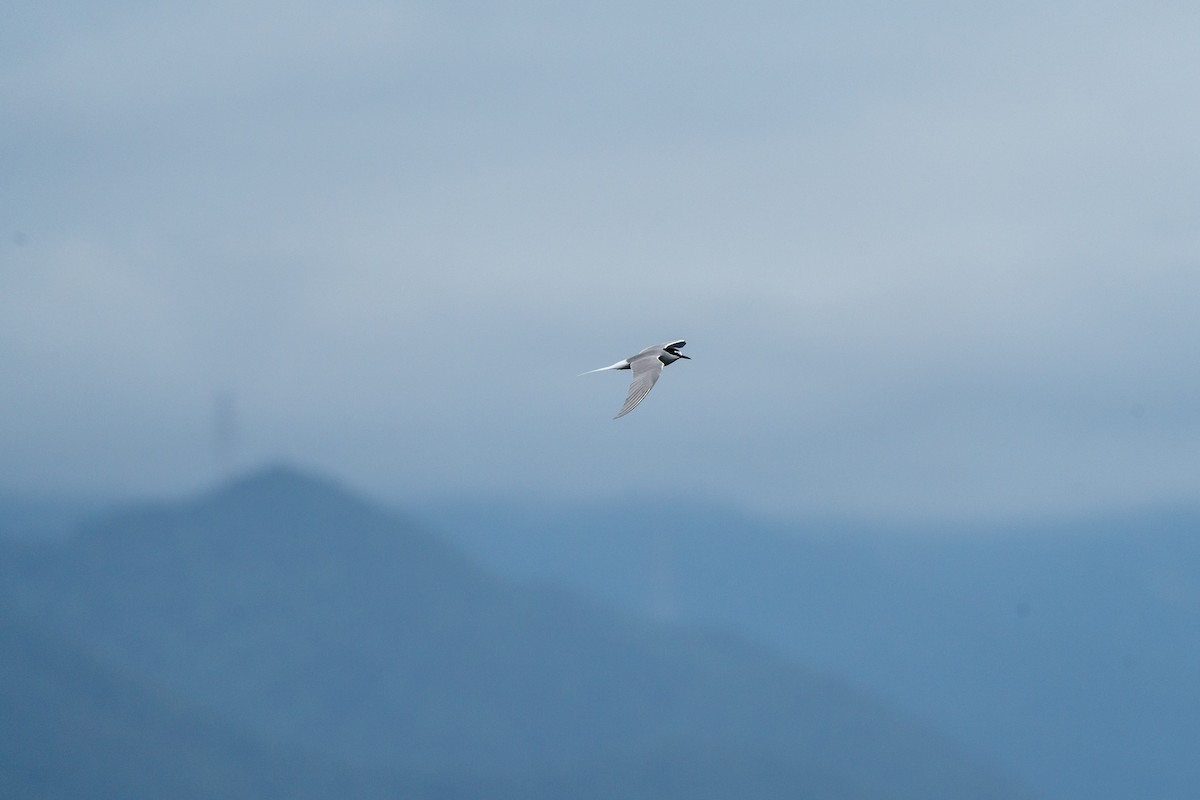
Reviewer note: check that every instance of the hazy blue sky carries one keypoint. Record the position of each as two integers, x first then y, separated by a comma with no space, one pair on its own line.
929,257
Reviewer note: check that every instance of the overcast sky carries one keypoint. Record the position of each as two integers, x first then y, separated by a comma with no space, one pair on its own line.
929,258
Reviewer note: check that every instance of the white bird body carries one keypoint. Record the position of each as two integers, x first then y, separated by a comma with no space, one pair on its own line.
647,366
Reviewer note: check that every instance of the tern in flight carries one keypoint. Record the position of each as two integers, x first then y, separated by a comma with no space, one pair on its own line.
647,366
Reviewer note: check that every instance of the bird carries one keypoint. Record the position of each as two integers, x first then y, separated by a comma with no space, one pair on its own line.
647,366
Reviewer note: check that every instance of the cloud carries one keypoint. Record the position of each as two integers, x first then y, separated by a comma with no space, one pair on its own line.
930,259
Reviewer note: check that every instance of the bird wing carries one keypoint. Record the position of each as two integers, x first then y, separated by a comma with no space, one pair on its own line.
658,348
646,370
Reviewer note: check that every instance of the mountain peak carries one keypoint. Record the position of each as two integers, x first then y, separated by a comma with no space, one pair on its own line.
279,480
284,493
275,514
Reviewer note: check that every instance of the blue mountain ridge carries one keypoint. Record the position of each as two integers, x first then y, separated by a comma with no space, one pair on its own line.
1067,650
302,616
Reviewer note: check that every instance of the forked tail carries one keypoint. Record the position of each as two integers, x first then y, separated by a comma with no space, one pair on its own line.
622,364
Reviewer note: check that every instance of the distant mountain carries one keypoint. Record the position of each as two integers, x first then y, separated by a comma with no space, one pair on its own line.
308,618
44,518
73,728
1066,649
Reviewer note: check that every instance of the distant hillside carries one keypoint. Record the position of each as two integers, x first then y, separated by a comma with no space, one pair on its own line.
43,518
313,620
1067,650
75,729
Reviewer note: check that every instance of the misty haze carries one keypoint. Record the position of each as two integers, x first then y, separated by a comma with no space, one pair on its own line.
302,496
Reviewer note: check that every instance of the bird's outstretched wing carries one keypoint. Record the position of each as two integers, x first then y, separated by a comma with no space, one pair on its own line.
658,348
646,370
